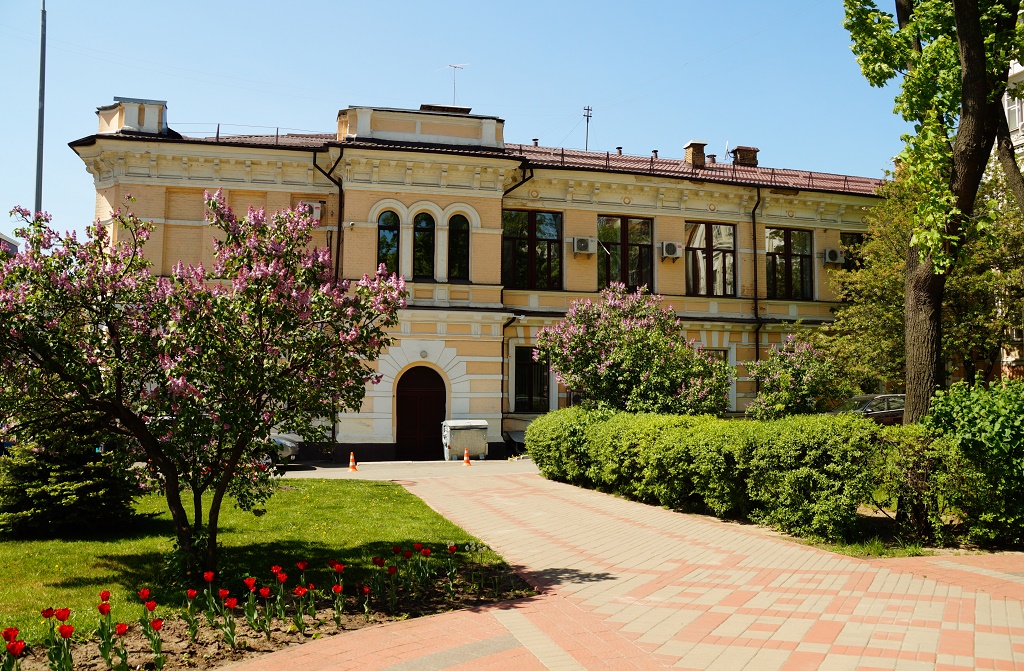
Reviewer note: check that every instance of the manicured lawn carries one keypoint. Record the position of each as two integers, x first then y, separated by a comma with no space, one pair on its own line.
316,520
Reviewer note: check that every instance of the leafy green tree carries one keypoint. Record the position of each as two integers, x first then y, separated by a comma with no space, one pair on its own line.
953,59
627,352
198,367
867,336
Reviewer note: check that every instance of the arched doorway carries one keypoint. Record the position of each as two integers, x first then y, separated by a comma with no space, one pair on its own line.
420,409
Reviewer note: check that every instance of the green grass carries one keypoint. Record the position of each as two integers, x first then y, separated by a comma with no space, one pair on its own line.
316,520
877,547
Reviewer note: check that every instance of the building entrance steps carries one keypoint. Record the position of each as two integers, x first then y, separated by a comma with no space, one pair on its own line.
628,586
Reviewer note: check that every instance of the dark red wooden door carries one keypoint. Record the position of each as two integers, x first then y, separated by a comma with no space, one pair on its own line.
420,397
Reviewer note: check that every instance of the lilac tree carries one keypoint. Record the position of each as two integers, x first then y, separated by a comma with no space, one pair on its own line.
796,379
628,352
197,367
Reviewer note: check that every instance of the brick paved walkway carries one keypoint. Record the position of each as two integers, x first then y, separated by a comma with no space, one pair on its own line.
628,586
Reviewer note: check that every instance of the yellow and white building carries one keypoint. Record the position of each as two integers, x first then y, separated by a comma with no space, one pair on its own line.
495,241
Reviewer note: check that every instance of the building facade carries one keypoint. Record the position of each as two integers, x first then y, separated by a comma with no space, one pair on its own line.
495,241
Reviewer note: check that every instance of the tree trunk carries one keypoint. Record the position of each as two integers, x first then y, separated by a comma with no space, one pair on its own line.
1008,159
212,520
923,323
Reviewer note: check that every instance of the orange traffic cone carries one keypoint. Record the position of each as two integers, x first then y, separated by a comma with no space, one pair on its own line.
465,458
352,461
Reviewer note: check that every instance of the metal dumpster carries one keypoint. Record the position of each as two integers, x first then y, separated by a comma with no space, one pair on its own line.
459,434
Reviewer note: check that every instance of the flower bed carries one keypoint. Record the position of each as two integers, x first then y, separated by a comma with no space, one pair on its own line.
227,622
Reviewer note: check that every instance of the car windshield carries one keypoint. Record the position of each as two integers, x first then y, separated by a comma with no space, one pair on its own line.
850,405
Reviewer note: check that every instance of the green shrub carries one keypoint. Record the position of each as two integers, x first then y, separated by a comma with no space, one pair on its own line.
796,379
557,443
60,486
715,453
808,474
623,448
983,487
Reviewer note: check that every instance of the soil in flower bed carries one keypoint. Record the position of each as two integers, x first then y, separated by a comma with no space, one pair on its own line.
209,650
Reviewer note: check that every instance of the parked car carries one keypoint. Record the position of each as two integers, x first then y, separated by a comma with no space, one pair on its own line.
882,408
287,449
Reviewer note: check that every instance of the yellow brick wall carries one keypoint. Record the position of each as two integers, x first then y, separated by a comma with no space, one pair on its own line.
185,205
580,272
184,243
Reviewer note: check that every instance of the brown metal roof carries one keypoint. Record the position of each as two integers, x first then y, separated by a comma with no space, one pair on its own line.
556,158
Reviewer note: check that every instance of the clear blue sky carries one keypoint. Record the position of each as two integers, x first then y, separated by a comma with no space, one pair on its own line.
776,75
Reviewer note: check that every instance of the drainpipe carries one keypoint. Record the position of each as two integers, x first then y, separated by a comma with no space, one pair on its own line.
518,184
337,256
341,208
757,311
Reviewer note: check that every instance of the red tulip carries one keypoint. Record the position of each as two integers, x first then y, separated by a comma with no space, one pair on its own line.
282,578
331,563
396,549
208,576
425,552
15,648
222,593
10,633
407,554
151,606
265,592
310,587
417,546
157,624
275,569
300,591
62,614
65,630
105,595
104,608
120,629
452,549
336,588
338,568
47,613
144,594
302,565
250,583
392,570
230,603
366,589
377,561
191,594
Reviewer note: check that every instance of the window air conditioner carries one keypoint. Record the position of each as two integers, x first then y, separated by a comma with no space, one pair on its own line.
584,245
834,256
671,250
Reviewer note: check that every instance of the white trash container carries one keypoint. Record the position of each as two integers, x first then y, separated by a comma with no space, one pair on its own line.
459,434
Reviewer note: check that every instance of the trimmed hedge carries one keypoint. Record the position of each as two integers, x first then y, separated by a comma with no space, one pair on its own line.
805,475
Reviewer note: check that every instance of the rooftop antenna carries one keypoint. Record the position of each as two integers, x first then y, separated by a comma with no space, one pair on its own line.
588,112
455,69
42,93
726,154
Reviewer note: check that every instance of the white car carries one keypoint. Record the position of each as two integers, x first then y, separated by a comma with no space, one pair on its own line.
287,449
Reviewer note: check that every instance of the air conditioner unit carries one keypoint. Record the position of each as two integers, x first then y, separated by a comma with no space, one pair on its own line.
834,256
584,245
671,250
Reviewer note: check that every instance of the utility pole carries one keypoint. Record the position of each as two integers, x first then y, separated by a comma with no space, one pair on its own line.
42,96
588,112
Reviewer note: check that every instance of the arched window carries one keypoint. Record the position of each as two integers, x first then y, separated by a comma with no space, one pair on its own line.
458,248
423,247
388,230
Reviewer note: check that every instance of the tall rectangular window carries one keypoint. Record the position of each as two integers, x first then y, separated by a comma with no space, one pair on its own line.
788,260
850,244
710,260
458,249
625,252
388,226
532,381
531,250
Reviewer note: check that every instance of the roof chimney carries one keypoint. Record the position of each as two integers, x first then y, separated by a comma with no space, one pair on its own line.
536,141
618,150
134,115
654,153
712,158
695,153
745,156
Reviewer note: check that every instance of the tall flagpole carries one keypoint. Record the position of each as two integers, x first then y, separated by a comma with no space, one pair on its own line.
42,96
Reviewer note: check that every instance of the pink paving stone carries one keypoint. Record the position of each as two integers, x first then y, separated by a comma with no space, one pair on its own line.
953,642
804,661
823,631
517,659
